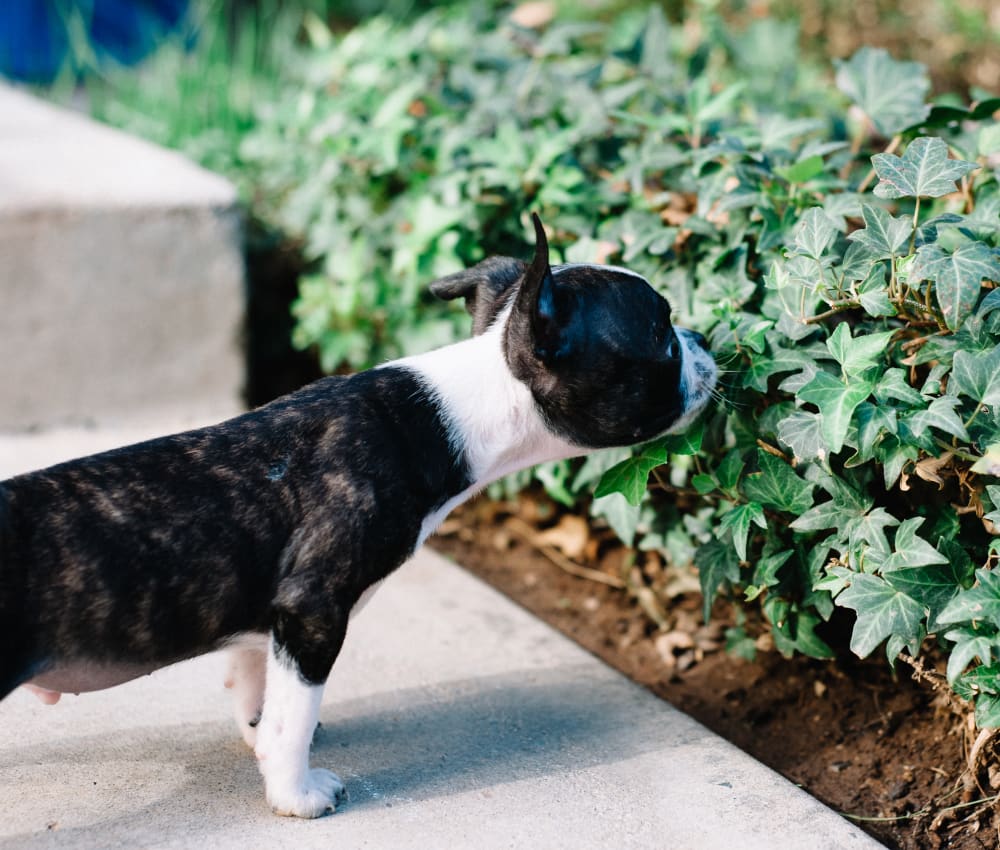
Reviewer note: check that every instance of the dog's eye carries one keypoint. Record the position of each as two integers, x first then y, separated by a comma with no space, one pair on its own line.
673,347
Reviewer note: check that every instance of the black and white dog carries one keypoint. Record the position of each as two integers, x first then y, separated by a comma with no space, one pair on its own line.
262,533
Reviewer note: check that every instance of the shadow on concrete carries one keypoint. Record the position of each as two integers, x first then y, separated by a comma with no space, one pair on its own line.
394,748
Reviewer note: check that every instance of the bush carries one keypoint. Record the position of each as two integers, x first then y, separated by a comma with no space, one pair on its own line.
838,242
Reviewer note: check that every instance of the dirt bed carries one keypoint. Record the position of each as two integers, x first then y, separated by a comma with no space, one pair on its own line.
891,753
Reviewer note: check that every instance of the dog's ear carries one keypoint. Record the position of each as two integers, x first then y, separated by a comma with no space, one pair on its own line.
483,287
539,305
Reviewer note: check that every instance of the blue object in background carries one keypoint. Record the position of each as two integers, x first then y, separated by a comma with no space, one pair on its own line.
36,36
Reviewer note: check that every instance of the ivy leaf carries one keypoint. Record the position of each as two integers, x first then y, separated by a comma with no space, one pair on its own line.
969,644
874,421
802,432
687,443
738,520
912,550
855,354
798,634
866,535
958,277
932,586
882,612
987,711
883,235
979,602
979,680
836,402
873,295
728,472
889,92
765,574
923,171
824,515
619,514
630,476
776,485
780,360
893,384
717,564
977,376
990,303
814,233
940,414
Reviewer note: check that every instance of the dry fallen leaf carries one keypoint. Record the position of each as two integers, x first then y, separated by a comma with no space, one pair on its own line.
570,536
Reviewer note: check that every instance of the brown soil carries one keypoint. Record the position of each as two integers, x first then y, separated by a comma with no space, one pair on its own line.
889,752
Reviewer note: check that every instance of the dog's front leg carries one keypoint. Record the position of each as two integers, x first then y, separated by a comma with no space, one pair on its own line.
299,658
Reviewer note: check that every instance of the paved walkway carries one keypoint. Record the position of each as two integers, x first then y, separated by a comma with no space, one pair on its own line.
456,719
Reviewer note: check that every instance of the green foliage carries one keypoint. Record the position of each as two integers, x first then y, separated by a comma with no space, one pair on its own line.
854,462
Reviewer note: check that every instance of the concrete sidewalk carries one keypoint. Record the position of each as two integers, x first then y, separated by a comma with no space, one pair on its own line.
455,718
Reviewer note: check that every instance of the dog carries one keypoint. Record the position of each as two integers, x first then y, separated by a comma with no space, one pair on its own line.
261,534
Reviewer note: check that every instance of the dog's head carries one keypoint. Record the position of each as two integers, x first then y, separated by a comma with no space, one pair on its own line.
593,343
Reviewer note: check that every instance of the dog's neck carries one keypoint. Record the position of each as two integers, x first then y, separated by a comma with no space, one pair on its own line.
493,420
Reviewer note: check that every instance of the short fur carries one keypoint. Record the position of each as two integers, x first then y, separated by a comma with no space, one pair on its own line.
263,532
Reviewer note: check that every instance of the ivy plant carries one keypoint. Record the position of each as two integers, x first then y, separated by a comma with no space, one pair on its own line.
833,231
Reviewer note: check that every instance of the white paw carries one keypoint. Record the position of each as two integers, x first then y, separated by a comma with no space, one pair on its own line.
320,793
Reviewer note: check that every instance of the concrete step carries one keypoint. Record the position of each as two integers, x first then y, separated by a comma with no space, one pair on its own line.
121,275
455,718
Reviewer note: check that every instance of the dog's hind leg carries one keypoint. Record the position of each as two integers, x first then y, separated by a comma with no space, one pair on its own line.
246,678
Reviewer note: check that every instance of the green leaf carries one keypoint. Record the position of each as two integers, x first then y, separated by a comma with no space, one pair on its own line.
979,602
687,443
802,432
836,402
969,644
883,235
703,483
883,612
717,564
728,472
798,634
979,680
619,514
889,92
873,296
803,170
855,354
932,586
874,422
777,486
893,384
737,522
941,415
987,711
814,233
631,475
824,515
958,277
910,550
780,360
923,171
977,376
